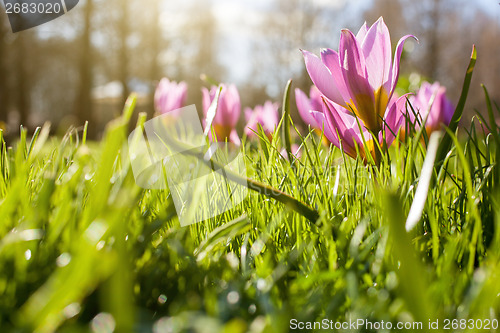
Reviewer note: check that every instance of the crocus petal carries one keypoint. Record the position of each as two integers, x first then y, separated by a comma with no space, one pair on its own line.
248,114
441,110
343,126
396,111
266,115
448,111
221,115
322,125
270,115
351,58
436,115
234,104
228,107
394,119
234,138
181,93
251,125
315,99
170,96
394,72
354,70
206,100
304,106
228,110
360,36
330,58
348,129
378,53
321,77
444,108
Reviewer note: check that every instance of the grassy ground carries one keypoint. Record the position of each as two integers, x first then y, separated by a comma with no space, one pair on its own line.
83,248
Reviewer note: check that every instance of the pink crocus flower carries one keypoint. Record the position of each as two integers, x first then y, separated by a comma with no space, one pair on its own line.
440,112
228,112
306,104
346,131
362,76
312,103
266,115
170,96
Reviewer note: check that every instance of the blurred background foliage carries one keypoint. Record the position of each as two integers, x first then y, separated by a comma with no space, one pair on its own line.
84,64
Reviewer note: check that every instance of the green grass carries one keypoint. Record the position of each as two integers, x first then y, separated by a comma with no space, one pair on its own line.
82,248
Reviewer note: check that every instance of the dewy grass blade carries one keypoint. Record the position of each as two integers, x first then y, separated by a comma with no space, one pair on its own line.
41,139
129,107
475,242
113,140
457,115
492,125
224,232
287,119
85,131
420,198
34,138
314,164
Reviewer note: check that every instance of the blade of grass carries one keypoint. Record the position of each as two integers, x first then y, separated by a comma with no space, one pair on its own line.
33,140
129,107
475,242
212,110
494,129
412,275
420,198
287,119
85,131
457,115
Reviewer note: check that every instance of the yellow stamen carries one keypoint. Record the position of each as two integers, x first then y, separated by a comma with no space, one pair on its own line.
223,132
365,111
381,101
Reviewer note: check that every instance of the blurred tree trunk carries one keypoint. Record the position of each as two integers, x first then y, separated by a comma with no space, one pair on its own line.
123,31
200,34
433,51
84,97
22,75
155,73
155,70
292,25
